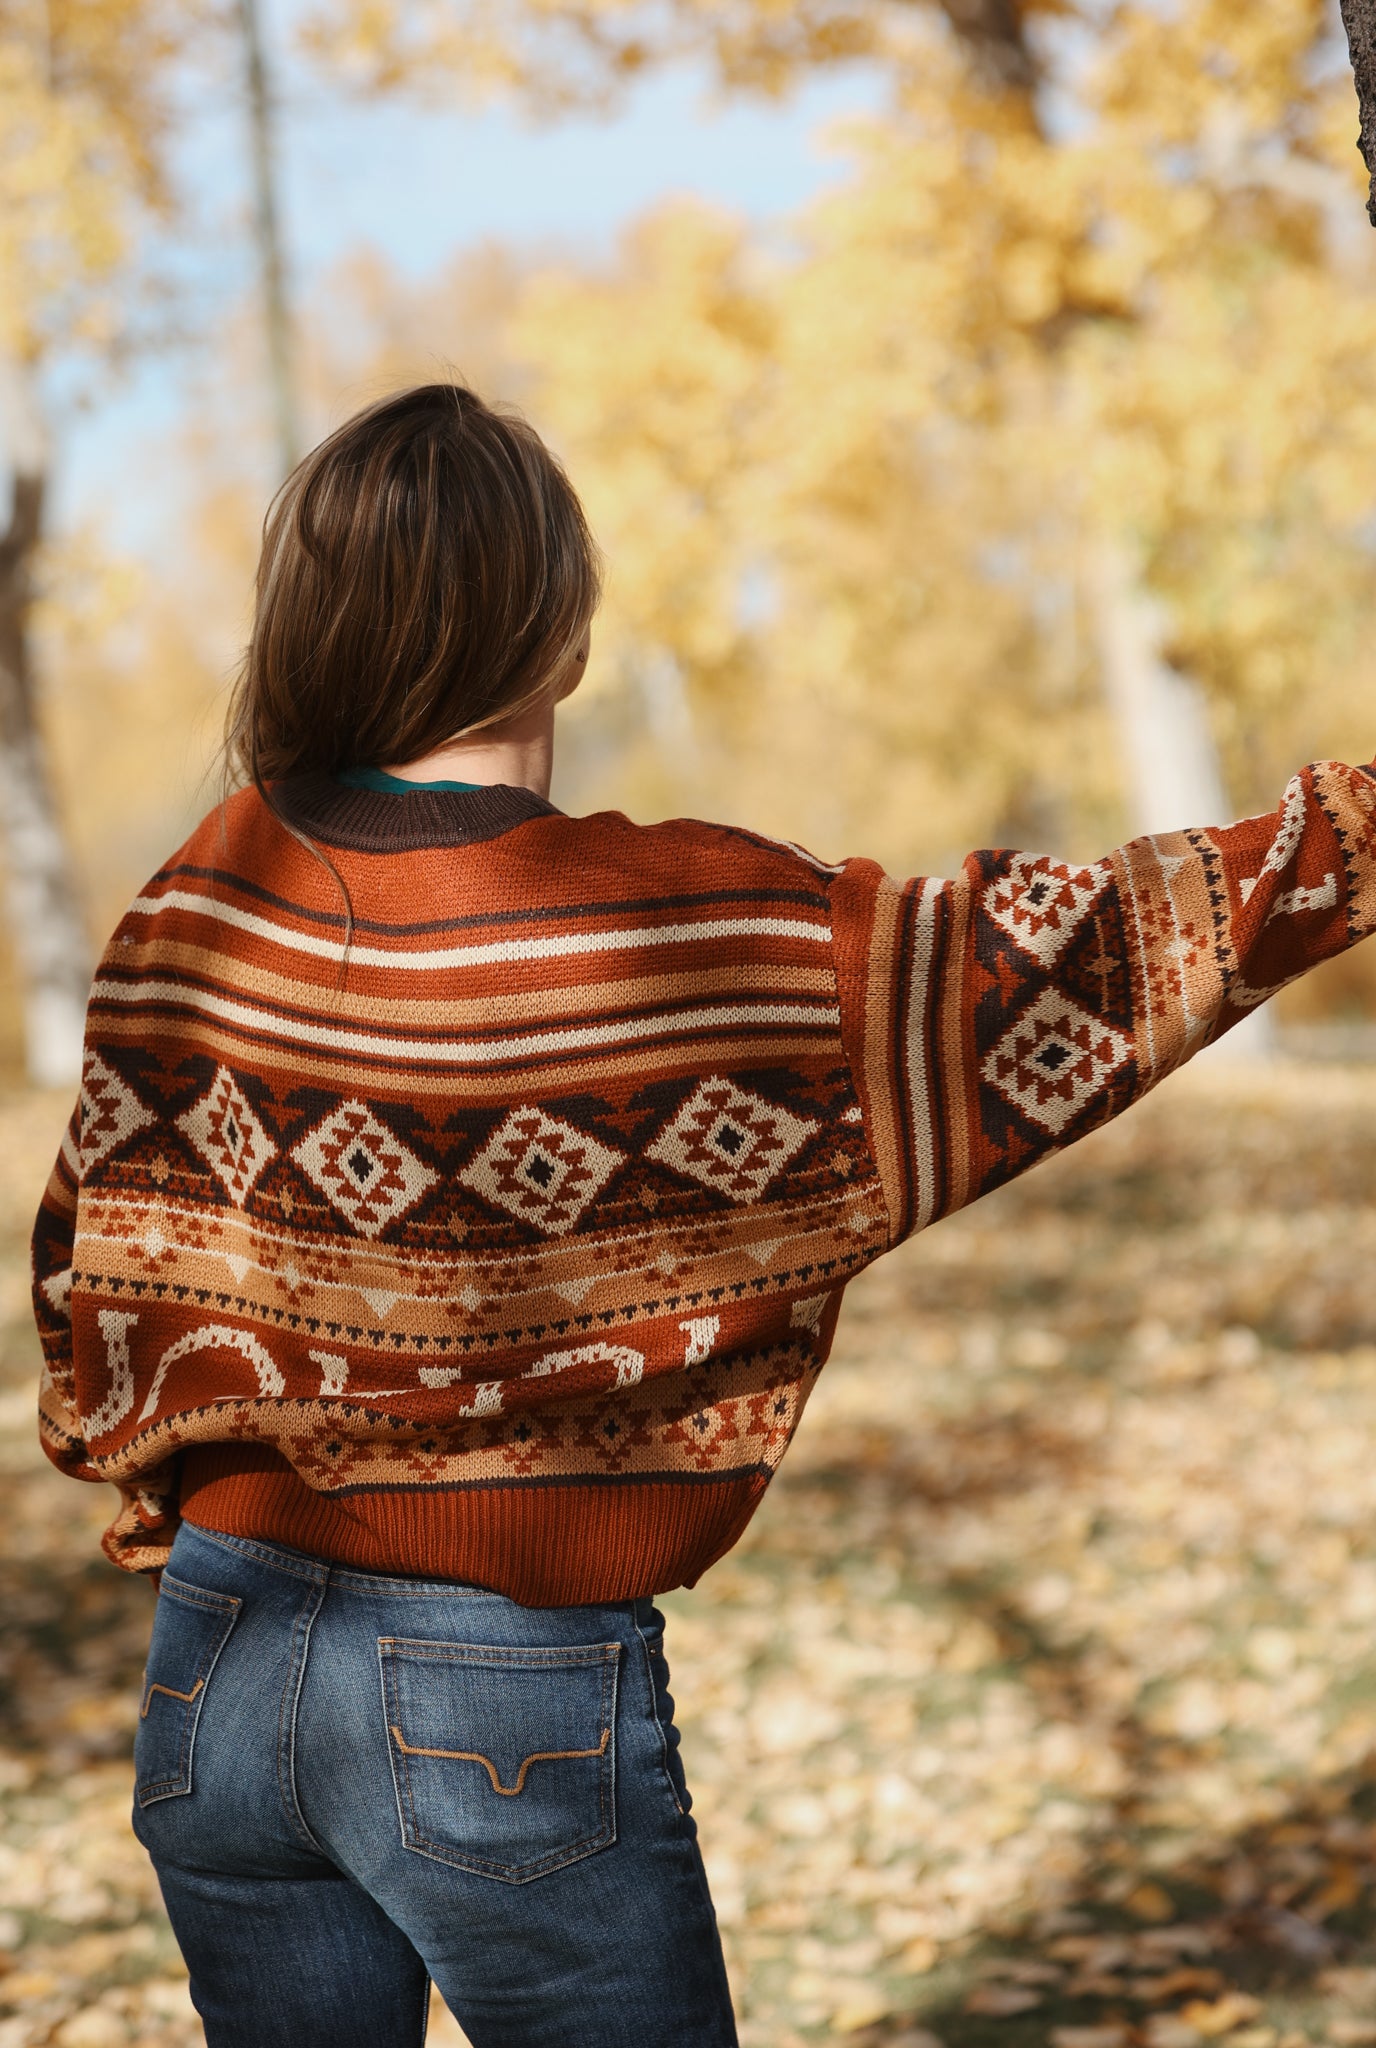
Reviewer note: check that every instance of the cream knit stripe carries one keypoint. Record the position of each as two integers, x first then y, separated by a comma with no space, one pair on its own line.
462,1052
717,931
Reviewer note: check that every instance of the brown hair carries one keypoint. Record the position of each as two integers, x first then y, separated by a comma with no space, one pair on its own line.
425,572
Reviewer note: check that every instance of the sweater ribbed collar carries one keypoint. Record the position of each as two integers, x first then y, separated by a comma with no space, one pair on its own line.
383,821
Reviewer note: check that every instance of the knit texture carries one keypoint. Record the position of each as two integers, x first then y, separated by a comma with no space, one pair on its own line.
502,1236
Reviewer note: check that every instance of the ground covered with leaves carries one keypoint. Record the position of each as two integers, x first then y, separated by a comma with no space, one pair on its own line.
1038,1704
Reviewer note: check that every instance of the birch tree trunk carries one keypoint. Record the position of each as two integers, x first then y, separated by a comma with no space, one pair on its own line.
1166,746
46,929
267,232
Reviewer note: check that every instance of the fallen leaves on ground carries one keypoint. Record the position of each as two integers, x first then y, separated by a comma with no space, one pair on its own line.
1037,1705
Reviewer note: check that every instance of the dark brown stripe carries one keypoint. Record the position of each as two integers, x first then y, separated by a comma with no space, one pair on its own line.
478,920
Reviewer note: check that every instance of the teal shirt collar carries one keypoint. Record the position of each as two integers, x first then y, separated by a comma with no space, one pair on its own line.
394,785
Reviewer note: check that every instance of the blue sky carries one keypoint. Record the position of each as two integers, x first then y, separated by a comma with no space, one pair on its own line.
422,184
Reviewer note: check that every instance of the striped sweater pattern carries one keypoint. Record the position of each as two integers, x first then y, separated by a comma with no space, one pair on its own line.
499,1233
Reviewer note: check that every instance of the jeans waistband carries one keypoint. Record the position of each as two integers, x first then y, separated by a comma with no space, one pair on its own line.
350,1578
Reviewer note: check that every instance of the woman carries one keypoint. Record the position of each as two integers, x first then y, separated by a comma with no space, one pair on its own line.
455,1219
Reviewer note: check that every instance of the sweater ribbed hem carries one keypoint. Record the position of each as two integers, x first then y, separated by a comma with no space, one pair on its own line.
547,1545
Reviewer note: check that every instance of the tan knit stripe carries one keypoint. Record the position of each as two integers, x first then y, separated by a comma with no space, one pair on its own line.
636,1253
712,931
1159,878
535,1005
1144,1024
917,1052
119,1221
948,1017
417,1320
883,1127
691,1057
459,1052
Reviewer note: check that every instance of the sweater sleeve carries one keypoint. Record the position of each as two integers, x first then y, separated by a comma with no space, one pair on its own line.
997,1017
51,1247
137,1538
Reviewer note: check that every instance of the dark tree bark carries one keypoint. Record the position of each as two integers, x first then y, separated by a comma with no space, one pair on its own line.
1359,19
992,32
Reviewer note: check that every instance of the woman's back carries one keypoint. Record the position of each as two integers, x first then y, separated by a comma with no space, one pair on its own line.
500,1232
503,1244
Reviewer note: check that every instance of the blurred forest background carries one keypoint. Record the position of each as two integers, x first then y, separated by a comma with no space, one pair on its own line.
1018,487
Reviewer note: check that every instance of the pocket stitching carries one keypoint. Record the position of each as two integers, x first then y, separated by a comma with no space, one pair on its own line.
227,1606
575,1656
172,1694
475,1756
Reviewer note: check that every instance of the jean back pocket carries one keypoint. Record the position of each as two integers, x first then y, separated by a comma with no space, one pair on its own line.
190,1628
503,1759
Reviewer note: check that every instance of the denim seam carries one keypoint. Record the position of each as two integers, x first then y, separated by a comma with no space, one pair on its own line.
316,1574
659,1725
606,1777
527,1657
349,1580
287,1712
198,1596
699,1870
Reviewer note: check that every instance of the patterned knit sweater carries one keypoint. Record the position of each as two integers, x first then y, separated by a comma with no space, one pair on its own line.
502,1236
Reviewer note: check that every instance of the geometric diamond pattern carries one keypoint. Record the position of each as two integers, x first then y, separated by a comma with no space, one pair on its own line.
363,1168
542,1170
1055,1059
731,1140
228,1136
1039,901
110,1111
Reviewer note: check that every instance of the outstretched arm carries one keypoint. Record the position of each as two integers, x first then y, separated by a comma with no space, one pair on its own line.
1000,1016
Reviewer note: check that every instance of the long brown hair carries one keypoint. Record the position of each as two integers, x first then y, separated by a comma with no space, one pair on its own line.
425,572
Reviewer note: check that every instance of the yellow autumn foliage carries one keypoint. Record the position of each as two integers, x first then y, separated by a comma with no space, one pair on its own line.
852,496
852,482
84,123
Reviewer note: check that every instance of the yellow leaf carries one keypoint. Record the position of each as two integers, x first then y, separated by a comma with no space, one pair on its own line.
1150,1902
1221,2015
860,2010
919,1956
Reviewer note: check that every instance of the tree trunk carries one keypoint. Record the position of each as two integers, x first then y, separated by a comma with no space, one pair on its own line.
1359,19
46,928
1170,761
992,33
268,237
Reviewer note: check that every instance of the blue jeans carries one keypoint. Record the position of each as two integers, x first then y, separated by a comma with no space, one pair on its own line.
351,1784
